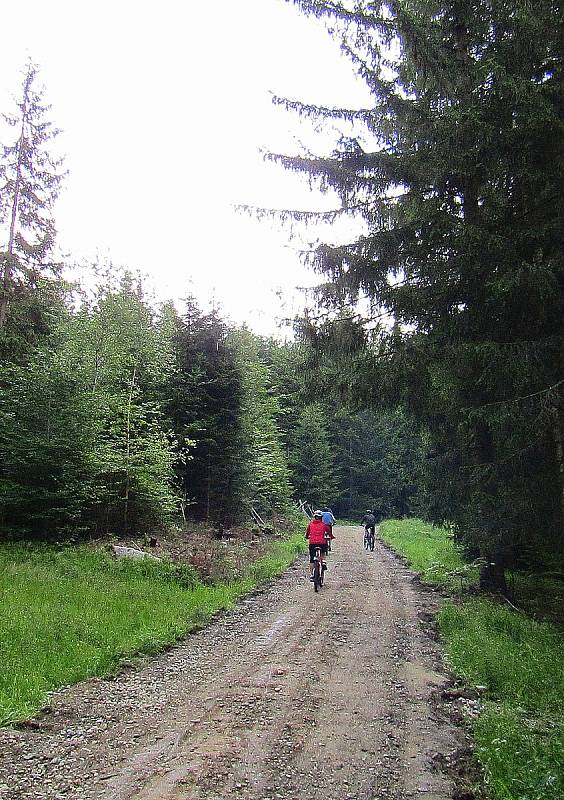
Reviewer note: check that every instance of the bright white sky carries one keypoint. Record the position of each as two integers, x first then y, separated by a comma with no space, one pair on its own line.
164,107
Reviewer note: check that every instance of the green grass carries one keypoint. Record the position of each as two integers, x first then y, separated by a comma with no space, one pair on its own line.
431,552
515,657
519,733
541,595
521,754
74,612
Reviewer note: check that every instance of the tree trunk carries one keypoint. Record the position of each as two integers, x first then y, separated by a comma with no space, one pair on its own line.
492,576
128,453
559,449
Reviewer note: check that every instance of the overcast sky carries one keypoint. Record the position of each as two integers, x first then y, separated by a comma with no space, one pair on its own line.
164,108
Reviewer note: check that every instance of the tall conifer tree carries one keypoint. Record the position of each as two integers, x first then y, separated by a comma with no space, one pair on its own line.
456,171
30,180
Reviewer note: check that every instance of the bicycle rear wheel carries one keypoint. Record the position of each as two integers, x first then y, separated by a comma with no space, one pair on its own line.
317,576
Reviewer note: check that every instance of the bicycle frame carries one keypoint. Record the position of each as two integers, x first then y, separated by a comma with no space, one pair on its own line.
369,537
317,570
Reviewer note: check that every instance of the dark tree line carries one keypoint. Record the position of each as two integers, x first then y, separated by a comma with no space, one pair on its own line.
349,459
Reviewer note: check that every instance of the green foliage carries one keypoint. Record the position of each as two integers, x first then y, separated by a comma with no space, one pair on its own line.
264,463
378,456
348,459
81,424
521,755
73,612
44,437
542,595
312,458
281,554
518,660
31,179
204,397
122,359
455,171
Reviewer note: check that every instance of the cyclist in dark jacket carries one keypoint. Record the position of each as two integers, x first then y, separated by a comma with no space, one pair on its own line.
369,521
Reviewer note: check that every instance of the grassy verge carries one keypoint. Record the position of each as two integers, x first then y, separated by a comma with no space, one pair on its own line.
519,734
431,552
74,612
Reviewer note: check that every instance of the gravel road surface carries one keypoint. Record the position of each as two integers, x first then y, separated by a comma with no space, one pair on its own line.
291,695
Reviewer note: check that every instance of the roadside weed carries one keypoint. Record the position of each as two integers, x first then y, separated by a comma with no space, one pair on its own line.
521,755
517,658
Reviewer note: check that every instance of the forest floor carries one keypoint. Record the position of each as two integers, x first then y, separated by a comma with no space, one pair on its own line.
292,693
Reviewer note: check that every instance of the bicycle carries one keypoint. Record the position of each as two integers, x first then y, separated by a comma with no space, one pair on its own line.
317,570
369,538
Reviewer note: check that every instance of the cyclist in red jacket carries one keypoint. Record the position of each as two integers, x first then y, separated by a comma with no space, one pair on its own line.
317,533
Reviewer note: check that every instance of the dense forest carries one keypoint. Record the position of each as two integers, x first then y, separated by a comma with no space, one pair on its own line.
122,417
445,399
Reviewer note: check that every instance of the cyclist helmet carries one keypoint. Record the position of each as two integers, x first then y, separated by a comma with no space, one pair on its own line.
369,511
318,513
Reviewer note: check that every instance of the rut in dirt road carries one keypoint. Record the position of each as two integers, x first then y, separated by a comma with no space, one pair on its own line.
291,693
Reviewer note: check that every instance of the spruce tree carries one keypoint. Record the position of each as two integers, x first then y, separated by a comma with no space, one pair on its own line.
264,464
204,398
312,458
456,173
30,178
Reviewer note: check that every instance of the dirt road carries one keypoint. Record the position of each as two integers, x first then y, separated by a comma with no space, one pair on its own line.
293,693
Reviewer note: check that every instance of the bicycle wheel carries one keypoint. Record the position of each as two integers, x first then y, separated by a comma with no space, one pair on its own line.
372,543
316,576
366,541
